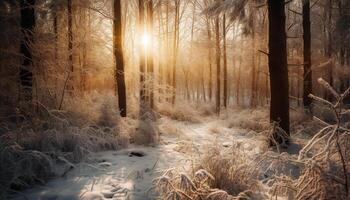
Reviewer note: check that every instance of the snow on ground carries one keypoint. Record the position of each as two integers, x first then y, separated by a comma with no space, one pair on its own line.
128,173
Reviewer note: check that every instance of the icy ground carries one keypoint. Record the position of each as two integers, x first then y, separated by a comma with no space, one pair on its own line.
128,173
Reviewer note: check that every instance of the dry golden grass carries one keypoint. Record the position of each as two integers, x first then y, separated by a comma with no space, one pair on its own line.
180,112
219,175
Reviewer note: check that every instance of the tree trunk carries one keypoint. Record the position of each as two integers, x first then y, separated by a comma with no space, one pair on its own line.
119,57
161,34
70,45
253,99
225,60
218,65
307,56
55,30
150,66
279,110
142,57
203,87
342,44
167,47
238,76
210,53
27,25
175,47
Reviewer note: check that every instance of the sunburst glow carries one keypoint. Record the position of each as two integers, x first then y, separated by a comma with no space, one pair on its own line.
145,40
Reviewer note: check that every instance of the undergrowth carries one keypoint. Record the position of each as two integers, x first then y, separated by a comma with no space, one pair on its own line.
318,171
183,111
34,144
324,158
175,185
218,175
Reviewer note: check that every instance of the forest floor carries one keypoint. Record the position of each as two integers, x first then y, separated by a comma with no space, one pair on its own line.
130,173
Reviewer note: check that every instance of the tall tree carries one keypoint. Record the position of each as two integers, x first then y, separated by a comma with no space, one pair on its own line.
55,27
119,57
307,55
27,26
161,49
191,50
253,100
210,53
329,48
218,64
142,56
167,44
70,39
279,110
225,59
150,67
175,46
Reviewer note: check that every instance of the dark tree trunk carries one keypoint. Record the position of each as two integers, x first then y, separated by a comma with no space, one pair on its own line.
142,57
70,83
119,57
329,50
27,26
342,44
218,65
150,62
279,110
70,36
55,30
225,60
307,56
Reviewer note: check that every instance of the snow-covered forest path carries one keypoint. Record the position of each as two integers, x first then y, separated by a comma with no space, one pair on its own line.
128,173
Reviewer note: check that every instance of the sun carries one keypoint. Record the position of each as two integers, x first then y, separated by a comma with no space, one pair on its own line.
145,40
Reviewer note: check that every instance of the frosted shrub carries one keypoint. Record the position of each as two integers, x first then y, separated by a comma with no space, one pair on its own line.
231,169
147,131
324,157
180,112
20,168
255,120
217,176
32,143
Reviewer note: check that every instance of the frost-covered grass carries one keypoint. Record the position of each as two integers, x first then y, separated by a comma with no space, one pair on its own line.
187,112
325,157
175,185
314,166
211,157
232,170
34,143
20,168
249,119
223,174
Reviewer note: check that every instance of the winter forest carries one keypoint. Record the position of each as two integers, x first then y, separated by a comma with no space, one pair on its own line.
174,99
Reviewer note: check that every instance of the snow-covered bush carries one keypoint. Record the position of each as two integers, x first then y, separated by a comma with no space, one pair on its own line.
324,157
232,171
146,133
256,120
175,185
20,168
33,144
180,111
218,175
